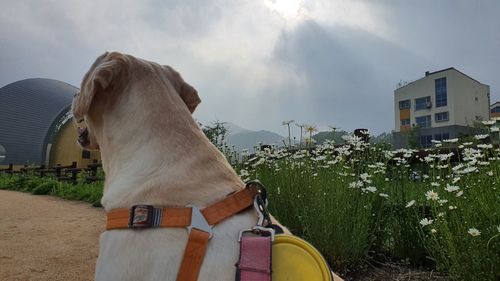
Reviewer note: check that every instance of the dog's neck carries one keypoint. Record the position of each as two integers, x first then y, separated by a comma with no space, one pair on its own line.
161,158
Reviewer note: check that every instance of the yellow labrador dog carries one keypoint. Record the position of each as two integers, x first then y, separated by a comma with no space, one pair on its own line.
138,114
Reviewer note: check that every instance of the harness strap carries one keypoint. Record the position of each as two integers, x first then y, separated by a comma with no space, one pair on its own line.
147,216
255,259
181,216
193,255
170,217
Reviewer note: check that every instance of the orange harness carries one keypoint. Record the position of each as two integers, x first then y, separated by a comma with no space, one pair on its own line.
198,222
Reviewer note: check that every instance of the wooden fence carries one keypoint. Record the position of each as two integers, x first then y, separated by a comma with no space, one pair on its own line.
67,173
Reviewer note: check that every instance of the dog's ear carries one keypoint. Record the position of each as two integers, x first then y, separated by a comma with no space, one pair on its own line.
189,95
98,79
187,92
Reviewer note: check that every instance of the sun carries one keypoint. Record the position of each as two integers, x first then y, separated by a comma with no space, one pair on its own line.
288,9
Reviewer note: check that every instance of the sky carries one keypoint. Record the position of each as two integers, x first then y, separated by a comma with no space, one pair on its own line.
257,63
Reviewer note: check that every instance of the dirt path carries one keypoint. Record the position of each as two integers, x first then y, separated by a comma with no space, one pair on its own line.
47,238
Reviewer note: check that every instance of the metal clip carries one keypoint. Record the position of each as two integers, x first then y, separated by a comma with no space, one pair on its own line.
258,230
260,203
260,188
260,206
199,222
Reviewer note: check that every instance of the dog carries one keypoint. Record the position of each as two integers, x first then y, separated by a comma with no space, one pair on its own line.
137,113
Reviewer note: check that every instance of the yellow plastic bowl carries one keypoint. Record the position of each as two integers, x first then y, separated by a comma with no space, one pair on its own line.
294,259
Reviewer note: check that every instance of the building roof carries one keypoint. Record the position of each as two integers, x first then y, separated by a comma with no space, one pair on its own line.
495,104
30,111
438,71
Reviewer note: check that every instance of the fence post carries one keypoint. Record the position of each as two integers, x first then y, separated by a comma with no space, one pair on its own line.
11,167
58,171
74,172
93,168
42,170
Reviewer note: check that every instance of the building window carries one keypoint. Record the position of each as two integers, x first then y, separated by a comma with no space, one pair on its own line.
441,117
404,104
423,121
495,109
405,122
425,141
423,103
85,154
442,136
441,96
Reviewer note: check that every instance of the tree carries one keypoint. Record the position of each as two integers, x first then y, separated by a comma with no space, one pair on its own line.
412,137
216,133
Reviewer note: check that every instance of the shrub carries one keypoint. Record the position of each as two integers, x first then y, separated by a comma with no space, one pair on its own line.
44,188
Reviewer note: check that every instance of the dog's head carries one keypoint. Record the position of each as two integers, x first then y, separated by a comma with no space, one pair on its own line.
110,79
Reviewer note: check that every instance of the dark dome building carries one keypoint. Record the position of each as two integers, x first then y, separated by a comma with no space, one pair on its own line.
34,127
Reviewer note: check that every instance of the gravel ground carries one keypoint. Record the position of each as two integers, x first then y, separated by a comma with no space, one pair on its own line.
47,238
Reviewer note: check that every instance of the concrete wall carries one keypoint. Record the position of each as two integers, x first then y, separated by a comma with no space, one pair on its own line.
471,100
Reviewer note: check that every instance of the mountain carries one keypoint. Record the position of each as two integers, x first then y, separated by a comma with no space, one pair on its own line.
235,129
242,138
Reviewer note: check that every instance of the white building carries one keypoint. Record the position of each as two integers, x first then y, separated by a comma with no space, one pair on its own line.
495,110
444,104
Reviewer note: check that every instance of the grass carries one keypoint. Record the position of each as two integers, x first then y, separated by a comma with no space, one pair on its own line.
359,207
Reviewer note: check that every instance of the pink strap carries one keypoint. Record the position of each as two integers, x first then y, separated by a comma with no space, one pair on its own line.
255,258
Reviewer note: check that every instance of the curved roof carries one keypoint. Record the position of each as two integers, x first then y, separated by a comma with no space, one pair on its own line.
29,113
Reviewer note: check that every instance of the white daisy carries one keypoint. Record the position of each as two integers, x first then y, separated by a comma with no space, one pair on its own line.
432,195
371,189
411,203
474,232
451,188
426,221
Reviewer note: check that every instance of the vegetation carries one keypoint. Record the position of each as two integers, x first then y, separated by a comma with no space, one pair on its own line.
412,137
360,203
216,133
88,192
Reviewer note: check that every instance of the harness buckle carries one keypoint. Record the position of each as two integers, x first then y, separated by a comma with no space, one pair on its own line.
199,222
258,230
141,216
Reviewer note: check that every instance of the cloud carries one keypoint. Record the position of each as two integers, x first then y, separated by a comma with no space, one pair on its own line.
350,75
257,63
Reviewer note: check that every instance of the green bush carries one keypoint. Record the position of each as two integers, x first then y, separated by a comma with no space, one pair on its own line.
91,193
44,188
